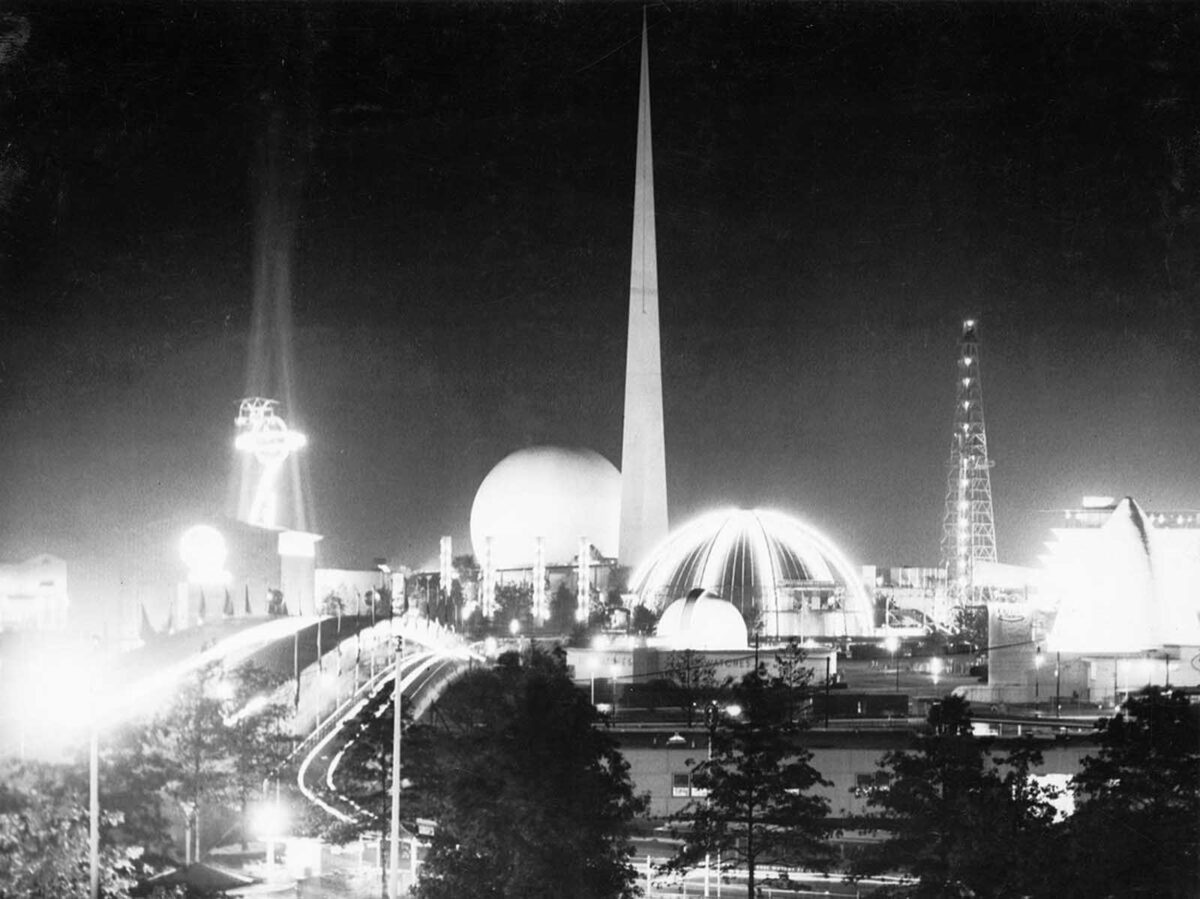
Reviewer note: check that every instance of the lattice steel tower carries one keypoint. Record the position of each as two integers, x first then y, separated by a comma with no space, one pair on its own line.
968,530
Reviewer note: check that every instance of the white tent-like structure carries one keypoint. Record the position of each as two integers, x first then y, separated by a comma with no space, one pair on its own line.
1127,586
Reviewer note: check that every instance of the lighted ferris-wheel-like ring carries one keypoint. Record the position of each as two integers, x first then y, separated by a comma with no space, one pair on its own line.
263,433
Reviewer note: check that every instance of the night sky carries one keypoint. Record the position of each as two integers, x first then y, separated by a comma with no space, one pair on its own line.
837,186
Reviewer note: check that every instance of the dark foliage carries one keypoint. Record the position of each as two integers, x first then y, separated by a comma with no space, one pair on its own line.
759,807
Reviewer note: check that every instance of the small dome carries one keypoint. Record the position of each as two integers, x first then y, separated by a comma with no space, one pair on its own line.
778,572
702,620
559,494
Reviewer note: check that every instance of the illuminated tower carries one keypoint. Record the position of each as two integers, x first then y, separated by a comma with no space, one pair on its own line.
643,453
968,530
268,484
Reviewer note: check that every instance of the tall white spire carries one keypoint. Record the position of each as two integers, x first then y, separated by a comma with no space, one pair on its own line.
643,454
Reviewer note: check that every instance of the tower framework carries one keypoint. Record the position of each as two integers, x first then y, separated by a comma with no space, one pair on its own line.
968,528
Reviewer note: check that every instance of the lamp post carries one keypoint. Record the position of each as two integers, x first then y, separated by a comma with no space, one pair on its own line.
676,739
1037,679
394,854
892,645
615,671
94,809
94,785
1057,684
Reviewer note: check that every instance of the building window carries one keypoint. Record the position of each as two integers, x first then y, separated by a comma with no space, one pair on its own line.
681,785
868,783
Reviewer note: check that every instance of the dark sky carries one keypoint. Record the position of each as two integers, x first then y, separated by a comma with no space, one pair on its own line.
837,186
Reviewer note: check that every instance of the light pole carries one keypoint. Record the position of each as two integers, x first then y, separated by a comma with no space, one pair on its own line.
1057,684
892,645
394,854
1037,679
94,785
616,669
94,810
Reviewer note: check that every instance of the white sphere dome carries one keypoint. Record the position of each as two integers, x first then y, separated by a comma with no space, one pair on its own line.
557,493
702,620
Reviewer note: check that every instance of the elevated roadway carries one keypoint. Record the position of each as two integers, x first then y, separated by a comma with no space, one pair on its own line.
423,674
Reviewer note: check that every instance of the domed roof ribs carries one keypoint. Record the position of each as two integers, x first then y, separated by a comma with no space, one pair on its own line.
769,590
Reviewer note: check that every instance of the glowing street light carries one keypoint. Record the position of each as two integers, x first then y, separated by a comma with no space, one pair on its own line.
203,551
271,822
892,645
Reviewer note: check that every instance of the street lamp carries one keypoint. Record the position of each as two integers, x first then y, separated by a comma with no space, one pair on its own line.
616,669
394,860
1037,679
892,645
593,664
1057,684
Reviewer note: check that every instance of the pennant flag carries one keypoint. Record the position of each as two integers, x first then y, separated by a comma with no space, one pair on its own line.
227,611
248,612
146,631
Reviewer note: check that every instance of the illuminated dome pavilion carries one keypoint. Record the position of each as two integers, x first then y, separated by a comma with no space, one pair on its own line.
772,568
558,494
702,620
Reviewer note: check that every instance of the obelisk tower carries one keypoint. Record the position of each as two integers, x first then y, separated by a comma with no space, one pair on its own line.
643,453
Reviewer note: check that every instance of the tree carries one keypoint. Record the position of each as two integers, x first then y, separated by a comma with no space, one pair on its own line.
959,821
466,572
1136,827
793,675
562,608
188,736
696,677
758,807
519,779
514,601
44,836
971,625
643,619
133,774
220,739
333,604
256,733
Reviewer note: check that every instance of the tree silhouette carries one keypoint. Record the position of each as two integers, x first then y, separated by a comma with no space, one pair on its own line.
758,805
1136,828
520,780
959,821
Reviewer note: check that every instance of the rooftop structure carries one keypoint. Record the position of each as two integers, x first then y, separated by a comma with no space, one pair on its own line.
779,573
